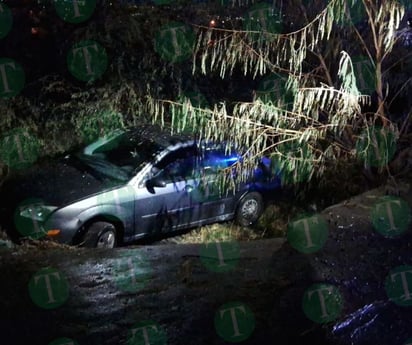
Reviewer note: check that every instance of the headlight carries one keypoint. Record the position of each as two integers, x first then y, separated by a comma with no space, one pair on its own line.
36,212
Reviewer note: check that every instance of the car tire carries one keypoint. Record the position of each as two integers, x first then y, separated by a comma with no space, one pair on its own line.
249,209
100,235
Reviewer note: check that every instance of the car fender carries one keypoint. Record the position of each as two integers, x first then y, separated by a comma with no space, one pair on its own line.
111,213
242,194
73,225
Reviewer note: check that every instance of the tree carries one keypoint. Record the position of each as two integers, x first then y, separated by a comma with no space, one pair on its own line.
303,124
277,78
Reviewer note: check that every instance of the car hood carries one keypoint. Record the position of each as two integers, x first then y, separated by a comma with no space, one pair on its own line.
55,184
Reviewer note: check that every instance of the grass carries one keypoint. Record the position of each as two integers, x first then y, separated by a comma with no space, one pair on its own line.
273,223
217,232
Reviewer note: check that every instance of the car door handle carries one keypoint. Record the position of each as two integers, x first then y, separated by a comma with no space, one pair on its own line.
188,188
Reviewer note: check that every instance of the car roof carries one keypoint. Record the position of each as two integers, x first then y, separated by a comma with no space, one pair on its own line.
161,135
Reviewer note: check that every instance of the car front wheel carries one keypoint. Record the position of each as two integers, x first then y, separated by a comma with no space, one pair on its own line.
249,209
100,235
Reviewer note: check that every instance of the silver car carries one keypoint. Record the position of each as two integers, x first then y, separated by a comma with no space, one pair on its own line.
131,184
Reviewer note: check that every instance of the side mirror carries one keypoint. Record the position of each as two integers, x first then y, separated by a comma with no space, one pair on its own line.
155,181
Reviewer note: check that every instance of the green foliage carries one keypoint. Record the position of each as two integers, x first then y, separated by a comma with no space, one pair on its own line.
264,50
376,146
196,102
298,140
91,126
274,88
306,132
80,117
295,160
8,118
19,148
310,120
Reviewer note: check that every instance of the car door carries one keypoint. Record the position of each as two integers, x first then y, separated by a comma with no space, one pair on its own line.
212,199
164,203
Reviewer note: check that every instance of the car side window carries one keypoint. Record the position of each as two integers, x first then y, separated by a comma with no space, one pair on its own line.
178,165
217,160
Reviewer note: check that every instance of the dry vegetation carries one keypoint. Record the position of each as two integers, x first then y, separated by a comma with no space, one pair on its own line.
60,112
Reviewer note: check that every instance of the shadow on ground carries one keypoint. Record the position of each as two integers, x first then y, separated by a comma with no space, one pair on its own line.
257,292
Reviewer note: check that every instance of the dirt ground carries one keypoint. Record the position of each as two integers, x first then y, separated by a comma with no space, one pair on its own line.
249,292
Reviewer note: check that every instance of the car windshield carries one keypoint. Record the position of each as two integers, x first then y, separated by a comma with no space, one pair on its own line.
119,155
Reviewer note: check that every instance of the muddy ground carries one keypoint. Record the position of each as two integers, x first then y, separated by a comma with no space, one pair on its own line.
174,294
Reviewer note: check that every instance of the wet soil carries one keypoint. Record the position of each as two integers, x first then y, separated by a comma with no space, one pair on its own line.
177,290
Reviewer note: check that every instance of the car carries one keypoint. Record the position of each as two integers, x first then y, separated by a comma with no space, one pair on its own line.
132,184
